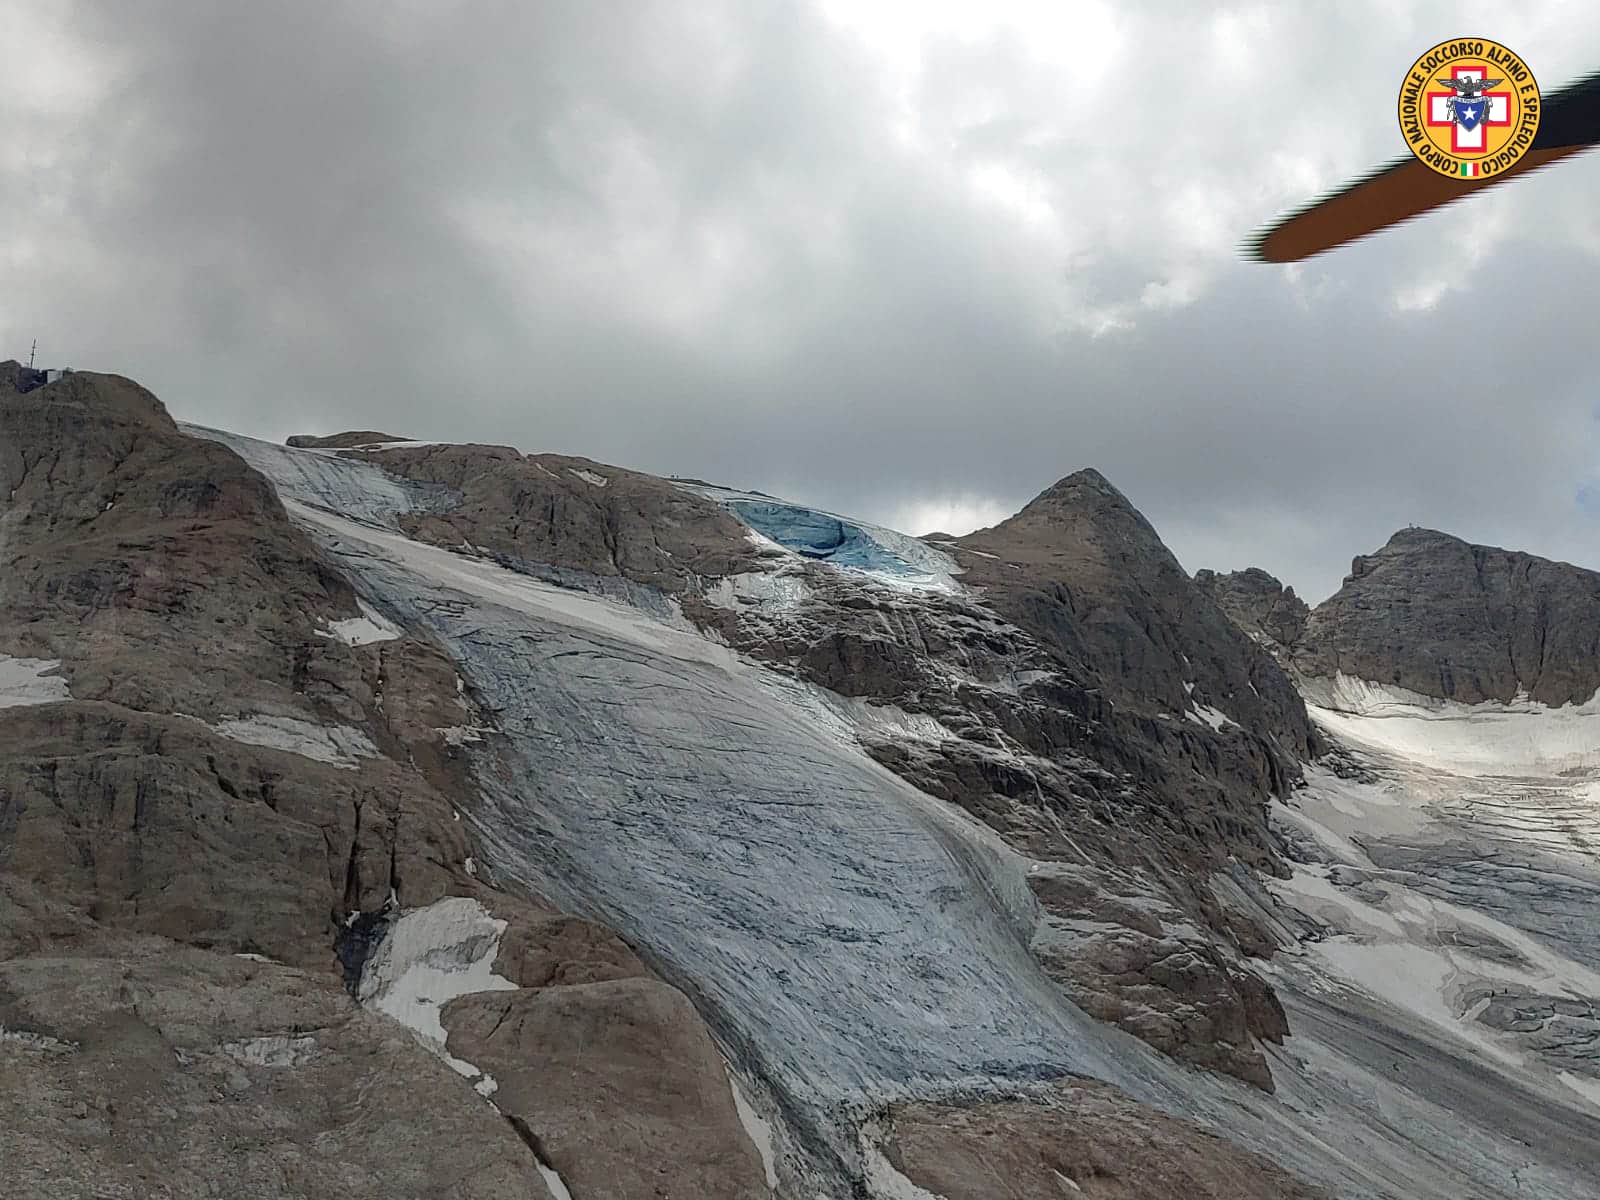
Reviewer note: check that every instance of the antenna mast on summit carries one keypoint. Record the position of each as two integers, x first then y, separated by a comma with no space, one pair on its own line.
32,352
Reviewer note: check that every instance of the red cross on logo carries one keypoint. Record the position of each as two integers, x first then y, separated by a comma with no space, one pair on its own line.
1476,139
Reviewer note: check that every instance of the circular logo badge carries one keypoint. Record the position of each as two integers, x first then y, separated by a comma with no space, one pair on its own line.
1469,108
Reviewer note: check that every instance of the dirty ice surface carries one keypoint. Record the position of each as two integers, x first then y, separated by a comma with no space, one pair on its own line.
1458,883
848,938
348,486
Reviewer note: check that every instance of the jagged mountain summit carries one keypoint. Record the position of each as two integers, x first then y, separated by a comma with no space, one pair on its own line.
1436,616
671,839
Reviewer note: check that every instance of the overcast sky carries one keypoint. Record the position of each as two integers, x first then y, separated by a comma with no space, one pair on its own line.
912,260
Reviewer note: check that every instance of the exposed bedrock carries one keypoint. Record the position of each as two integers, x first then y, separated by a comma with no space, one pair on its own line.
1437,615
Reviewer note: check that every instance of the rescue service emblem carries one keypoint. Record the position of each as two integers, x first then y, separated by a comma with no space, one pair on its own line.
1469,108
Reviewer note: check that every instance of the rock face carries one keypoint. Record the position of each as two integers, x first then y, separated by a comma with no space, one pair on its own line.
223,779
1083,570
1260,605
343,441
660,1087
1436,615
1083,1139
573,514
134,1066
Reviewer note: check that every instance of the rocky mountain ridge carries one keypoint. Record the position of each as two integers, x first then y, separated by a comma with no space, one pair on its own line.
303,752
1437,616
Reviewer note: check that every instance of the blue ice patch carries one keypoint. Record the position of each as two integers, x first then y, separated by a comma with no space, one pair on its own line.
820,536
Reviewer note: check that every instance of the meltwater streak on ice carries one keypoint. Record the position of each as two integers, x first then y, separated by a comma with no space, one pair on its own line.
844,935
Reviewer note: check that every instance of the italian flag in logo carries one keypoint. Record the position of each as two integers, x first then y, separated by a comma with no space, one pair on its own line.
1467,170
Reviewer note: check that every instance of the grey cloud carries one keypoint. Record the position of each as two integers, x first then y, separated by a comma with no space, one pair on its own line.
875,270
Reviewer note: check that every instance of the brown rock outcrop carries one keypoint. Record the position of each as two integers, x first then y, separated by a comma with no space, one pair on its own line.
573,513
1084,1139
619,1084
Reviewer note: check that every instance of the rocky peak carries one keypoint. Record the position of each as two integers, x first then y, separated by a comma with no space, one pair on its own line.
1441,616
79,397
1259,604
1084,570
1087,498
1411,540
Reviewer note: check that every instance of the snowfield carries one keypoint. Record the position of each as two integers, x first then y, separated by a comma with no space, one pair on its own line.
364,630
333,744
852,941
1459,884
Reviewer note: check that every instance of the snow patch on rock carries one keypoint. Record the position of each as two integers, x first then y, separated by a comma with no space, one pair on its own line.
25,681
553,1181
758,1130
1211,718
593,477
882,1180
430,956
277,1051
35,1041
364,630
336,745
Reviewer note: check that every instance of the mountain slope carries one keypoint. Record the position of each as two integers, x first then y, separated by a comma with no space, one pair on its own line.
888,823
223,779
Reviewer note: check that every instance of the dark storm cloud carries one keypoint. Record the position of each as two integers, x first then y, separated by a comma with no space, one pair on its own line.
901,259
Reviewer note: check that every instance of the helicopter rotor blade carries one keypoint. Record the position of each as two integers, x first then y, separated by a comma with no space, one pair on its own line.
1406,189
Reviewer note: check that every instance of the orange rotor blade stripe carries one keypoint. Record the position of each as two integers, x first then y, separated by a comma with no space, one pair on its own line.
1406,189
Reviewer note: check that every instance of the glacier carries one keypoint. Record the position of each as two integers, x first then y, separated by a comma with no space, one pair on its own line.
884,554
850,940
